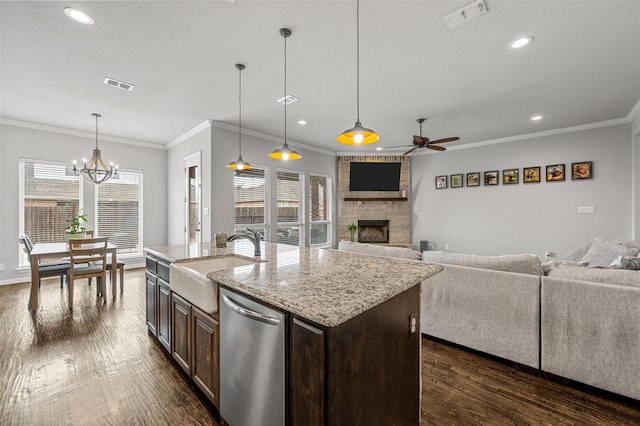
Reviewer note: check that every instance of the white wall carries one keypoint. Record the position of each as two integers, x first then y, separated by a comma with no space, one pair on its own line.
219,145
22,142
526,218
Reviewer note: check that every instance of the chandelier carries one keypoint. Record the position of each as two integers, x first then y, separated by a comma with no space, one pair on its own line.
96,171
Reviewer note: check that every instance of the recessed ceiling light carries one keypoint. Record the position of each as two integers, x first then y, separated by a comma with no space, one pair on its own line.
302,121
537,118
520,42
379,148
78,16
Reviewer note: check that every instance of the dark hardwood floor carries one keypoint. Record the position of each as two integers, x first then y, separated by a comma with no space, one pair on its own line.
98,366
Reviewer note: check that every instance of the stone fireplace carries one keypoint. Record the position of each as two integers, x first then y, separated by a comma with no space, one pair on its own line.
357,206
373,231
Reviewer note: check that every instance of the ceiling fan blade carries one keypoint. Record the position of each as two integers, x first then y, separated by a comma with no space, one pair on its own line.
436,147
411,150
397,146
445,140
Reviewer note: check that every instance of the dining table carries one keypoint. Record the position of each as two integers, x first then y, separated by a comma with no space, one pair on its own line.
59,250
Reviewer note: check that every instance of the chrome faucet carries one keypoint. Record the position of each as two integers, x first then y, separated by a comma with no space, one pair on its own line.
251,235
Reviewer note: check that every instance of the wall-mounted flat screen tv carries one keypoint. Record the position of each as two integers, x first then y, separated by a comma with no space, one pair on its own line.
374,177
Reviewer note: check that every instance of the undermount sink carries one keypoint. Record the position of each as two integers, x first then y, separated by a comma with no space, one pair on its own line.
189,279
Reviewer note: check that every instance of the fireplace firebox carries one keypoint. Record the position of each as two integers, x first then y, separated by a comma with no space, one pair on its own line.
373,231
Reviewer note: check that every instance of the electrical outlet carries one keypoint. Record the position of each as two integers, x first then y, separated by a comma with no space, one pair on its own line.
413,323
2,266
586,209
446,246
548,255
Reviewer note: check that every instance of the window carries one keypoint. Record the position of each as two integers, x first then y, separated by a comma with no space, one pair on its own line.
119,211
319,210
289,196
250,200
49,195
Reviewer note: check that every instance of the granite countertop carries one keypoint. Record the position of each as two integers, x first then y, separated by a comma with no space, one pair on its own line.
325,286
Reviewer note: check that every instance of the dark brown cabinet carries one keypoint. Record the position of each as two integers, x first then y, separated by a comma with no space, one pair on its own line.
181,332
152,312
205,355
164,314
338,374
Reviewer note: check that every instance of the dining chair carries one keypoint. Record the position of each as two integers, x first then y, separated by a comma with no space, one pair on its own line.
119,267
87,258
45,269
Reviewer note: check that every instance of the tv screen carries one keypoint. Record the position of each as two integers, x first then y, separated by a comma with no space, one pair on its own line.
374,177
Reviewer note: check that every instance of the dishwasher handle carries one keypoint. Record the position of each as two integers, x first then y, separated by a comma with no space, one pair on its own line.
248,312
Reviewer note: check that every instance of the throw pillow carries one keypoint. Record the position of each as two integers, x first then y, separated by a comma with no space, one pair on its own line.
632,263
602,254
576,254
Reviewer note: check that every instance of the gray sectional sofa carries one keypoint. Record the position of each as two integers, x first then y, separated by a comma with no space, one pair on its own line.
565,318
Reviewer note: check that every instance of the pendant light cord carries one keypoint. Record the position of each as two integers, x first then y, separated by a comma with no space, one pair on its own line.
285,90
358,58
97,131
240,111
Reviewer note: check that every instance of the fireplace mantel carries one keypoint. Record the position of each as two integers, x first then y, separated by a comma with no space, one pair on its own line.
376,199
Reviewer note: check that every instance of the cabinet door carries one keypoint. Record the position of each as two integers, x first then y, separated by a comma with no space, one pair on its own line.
164,314
152,312
307,374
181,332
205,367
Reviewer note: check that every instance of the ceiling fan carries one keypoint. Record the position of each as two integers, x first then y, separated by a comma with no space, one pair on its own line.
423,142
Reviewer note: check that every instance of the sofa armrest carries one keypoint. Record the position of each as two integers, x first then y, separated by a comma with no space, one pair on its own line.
491,311
591,333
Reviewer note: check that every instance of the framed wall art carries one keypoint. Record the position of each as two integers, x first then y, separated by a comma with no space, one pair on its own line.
555,172
456,180
583,170
473,179
531,174
441,182
510,176
491,178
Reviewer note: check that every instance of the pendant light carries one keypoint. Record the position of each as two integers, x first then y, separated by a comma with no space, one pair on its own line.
96,171
285,153
358,135
239,164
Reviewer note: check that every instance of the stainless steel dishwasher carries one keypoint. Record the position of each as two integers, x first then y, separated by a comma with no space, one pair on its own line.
252,358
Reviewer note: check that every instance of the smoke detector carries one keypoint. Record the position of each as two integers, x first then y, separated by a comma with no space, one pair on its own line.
116,83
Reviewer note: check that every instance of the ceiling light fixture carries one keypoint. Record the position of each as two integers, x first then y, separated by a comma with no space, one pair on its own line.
96,171
520,42
537,118
78,16
302,122
285,153
239,164
358,135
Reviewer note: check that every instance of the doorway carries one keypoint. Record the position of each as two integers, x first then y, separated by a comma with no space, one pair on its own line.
192,198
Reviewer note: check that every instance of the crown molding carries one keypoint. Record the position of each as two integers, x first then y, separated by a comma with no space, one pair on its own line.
515,138
189,133
60,130
279,141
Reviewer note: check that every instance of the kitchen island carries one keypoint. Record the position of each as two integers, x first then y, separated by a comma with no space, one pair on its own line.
352,340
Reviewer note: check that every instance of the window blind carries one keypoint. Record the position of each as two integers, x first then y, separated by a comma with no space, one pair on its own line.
250,200
289,207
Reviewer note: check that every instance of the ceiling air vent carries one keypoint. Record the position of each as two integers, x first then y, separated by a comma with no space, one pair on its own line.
120,84
465,13
289,99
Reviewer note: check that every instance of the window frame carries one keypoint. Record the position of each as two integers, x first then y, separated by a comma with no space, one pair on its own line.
96,213
301,223
23,261
329,210
241,227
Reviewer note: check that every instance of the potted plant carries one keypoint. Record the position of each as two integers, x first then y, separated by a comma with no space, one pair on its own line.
352,227
75,228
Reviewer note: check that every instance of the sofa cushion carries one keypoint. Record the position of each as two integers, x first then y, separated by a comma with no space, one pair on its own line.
378,250
602,253
520,263
622,277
